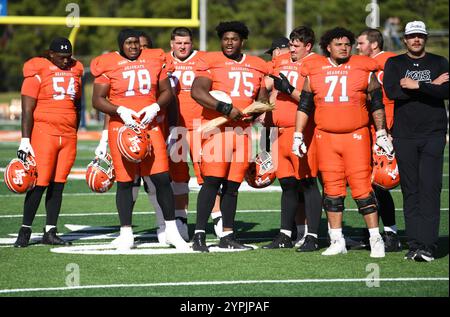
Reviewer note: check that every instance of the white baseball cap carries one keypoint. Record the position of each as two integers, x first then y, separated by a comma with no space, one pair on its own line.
415,27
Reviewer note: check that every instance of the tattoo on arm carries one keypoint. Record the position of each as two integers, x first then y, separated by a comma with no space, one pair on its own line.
379,119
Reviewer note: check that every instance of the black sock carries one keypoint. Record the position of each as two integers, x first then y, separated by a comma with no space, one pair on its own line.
386,207
53,200
124,202
313,204
164,195
289,201
206,199
31,204
228,203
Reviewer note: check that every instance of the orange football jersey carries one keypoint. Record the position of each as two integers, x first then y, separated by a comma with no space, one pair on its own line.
133,84
181,79
340,92
285,106
381,59
240,80
56,91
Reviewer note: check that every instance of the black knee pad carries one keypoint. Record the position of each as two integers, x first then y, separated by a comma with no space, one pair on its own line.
333,204
367,205
230,188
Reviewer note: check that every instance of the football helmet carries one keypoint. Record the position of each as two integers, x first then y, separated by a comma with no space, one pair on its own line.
21,176
134,143
261,172
100,174
385,170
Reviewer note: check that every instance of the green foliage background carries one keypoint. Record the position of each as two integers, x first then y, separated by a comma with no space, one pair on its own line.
265,19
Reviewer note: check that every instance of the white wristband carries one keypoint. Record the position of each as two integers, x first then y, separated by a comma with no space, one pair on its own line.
381,132
298,135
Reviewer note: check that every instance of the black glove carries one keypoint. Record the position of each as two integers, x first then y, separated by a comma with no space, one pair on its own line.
282,84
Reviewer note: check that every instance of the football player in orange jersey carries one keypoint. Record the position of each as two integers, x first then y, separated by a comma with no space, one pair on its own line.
370,43
338,85
224,158
51,93
132,84
184,58
294,173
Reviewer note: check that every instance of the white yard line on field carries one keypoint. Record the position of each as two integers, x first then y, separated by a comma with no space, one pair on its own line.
197,283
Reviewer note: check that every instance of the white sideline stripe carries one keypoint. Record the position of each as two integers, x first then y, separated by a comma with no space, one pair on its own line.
152,212
336,280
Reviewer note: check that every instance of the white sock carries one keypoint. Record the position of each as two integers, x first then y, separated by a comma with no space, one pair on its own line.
181,213
126,230
48,227
286,232
226,233
171,225
374,232
27,226
336,234
197,231
391,229
313,235
216,214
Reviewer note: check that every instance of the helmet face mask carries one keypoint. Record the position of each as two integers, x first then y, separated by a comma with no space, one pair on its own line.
385,170
261,173
100,174
133,143
20,176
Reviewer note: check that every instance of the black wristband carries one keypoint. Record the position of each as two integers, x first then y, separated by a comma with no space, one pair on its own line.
224,107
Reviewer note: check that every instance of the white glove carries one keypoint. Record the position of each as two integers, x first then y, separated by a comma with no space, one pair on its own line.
384,142
171,139
299,146
24,149
102,147
150,113
126,115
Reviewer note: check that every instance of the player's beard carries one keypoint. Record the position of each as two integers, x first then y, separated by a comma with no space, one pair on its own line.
342,60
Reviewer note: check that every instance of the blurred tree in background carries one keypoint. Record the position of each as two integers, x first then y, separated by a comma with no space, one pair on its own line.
265,19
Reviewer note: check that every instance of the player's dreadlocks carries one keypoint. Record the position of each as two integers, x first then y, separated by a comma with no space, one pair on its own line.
232,26
332,34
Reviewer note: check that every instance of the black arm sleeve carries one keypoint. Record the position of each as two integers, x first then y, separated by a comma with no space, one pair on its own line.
306,103
391,82
376,100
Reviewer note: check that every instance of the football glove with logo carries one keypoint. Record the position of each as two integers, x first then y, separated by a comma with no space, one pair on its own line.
102,148
149,113
383,141
24,149
126,115
299,146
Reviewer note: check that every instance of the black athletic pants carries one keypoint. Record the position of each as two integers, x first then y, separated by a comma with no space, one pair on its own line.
420,163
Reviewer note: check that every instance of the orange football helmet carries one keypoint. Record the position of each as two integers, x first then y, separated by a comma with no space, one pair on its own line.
21,176
261,172
385,170
134,143
100,174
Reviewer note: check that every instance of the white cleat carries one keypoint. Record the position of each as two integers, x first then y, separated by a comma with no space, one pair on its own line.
336,247
376,247
124,242
182,229
174,238
161,234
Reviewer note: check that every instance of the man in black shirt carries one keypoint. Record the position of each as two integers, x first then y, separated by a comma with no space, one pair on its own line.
418,83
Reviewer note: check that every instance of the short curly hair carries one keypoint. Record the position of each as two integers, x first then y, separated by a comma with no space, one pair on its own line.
233,26
336,33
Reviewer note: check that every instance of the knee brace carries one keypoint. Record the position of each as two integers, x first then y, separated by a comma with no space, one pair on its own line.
180,188
367,205
333,204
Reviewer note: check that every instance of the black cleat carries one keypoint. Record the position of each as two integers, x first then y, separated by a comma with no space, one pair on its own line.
23,237
199,242
228,242
391,242
423,255
51,238
410,254
281,241
311,244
